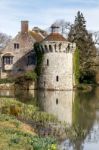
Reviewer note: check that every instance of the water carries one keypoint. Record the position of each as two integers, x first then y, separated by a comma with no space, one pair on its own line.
79,108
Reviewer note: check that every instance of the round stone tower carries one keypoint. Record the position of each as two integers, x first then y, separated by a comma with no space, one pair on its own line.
57,65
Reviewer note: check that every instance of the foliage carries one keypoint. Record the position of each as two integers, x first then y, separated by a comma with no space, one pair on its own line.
76,66
4,40
6,80
63,25
85,45
87,77
15,108
14,138
28,76
39,54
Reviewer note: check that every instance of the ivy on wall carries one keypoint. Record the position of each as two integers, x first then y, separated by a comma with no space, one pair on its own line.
39,56
76,66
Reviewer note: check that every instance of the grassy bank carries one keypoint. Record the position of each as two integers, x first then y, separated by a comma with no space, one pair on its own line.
15,108
14,135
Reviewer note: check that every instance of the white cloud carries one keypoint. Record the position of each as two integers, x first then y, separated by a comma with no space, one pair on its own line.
12,12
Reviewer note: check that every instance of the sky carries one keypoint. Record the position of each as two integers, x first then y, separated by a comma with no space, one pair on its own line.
43,13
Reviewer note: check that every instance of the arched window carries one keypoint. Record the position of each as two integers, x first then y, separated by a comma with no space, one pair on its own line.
50,48
57,78
47,62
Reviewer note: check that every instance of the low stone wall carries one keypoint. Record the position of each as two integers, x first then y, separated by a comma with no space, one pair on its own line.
12,86
26,86
7,86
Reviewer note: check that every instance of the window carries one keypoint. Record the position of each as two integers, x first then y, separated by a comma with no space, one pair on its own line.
31,60
16,45
56,100
57,78
50,48
8,60
47,62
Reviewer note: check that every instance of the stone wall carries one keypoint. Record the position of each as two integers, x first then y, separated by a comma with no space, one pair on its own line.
12,86
20,55
61,65
7,86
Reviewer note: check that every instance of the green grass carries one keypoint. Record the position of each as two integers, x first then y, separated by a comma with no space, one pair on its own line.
15,108
13,136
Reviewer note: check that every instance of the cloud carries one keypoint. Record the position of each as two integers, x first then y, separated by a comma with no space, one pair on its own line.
44,12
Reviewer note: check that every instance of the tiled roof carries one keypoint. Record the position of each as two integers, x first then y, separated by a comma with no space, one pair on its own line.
43,32
55,37
36,35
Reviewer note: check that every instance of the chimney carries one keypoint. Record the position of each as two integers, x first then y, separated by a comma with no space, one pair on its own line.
24,27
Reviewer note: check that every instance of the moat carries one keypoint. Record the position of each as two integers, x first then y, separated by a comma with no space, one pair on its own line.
80,108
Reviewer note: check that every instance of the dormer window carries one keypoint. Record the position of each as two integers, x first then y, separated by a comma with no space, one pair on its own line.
16,45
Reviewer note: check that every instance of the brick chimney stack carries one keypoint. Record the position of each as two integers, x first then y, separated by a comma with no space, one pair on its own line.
24,27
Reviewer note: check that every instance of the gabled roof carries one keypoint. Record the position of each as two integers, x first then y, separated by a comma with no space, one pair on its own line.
55,37
36,35
42,32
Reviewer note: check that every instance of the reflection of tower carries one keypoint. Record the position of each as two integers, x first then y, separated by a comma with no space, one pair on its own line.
8,93
57,65
58,103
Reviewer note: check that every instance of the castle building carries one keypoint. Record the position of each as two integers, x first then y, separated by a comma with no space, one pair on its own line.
18,56
57,66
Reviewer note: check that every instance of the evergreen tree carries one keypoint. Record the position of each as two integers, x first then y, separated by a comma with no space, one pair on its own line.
87,51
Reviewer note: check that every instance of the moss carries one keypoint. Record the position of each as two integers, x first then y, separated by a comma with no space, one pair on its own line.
76,66
39,55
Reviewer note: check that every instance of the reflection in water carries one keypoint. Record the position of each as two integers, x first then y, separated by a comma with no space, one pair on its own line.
58,103
25,96
6,93
75,108
84,116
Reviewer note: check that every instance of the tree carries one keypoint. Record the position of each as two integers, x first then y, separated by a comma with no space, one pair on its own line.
64,26
4,39
96,37
87,51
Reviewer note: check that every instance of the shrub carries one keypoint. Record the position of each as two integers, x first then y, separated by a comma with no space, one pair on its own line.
31,75
28,76
6,80
87,77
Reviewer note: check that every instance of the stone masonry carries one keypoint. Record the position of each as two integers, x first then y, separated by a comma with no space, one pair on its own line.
57,65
